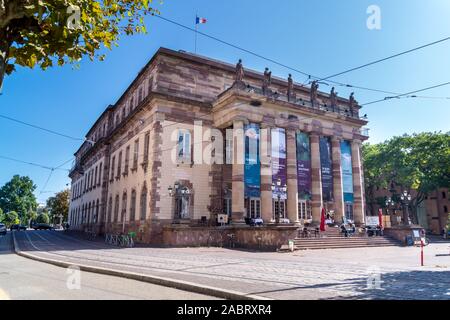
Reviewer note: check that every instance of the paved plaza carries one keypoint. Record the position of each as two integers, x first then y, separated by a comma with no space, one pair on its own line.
359,273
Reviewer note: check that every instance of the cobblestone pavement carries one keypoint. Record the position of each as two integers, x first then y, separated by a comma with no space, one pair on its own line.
359,273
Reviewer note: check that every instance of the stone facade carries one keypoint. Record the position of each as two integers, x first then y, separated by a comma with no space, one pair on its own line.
150,163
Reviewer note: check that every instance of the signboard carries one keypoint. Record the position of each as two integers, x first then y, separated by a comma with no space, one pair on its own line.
372,221
279,161
252,165
303,166
347,174
326,168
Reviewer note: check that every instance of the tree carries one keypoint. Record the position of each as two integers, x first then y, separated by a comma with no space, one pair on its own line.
17,195
43,218
59,204
419,162
43,32
11,218
2,215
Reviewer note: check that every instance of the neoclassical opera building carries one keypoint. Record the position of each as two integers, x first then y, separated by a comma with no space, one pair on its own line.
197,150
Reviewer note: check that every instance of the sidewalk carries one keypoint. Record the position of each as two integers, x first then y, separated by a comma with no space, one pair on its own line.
233,274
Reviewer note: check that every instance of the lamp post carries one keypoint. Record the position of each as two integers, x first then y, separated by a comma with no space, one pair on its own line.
278,188
405,199
390,203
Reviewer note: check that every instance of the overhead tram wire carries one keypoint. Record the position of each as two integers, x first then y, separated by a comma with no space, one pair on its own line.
269,59
406,94
385,59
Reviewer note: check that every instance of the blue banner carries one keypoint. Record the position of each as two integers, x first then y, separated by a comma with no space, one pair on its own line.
347,174
252,166
326,168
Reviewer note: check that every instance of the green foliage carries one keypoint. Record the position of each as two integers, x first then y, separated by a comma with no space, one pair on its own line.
59,204
17,195
419,161
2,215
45,33
11,218
43,218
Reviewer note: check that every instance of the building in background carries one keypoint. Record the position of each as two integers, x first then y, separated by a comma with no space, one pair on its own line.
194,143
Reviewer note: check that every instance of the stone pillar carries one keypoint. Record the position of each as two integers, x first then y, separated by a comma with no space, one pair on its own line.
266,174
292,186
337,180
358,186
316,179
237,202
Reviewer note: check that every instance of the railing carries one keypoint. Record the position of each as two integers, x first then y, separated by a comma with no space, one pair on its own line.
120,240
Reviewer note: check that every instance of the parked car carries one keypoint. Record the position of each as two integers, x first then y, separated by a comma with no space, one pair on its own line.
42,226
18,227
2,229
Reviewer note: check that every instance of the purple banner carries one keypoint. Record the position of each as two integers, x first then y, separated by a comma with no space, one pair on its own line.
303,166
279,161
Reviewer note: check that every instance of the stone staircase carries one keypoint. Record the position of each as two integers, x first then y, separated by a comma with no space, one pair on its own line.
333,239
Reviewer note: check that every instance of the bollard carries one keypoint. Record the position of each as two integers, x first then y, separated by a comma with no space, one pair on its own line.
421,253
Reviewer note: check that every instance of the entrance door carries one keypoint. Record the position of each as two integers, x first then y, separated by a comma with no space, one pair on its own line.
349,211
279,208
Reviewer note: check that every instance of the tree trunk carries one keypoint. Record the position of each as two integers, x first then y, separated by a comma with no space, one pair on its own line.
4,51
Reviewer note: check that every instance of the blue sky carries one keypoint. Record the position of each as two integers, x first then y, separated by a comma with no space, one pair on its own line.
319,37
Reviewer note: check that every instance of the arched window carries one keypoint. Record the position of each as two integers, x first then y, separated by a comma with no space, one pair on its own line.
133,205
116,208
144,202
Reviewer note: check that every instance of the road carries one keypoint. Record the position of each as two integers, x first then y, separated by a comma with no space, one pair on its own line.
315,274
24,279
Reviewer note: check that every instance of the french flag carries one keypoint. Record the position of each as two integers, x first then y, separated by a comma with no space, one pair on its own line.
199,20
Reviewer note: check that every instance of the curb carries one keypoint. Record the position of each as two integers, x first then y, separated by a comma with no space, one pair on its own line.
166,282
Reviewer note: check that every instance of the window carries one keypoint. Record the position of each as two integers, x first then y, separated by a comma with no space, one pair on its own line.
445,209
110,209
349,211
116,209
146,146
124,207
227,207
150,84
100,174
144,203
95,176
444,195
132,102
127,160
133,206
140,94
113,164
135,154
184,146
304,210
123,113
119,165
97,206
254,208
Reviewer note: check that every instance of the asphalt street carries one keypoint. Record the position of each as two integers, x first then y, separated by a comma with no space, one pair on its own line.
25,279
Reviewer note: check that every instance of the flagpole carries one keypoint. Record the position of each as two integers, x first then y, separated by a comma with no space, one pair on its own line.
196,29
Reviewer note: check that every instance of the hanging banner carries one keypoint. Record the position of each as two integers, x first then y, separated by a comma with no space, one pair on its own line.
279,161
252,166
303,166
347,174
326,169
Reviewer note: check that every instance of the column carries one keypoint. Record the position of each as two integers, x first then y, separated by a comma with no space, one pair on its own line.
316,179
292,186
266,174
337,180
358,191
237,201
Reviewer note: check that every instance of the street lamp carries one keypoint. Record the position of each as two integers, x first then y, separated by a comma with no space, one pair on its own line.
405,199
277,187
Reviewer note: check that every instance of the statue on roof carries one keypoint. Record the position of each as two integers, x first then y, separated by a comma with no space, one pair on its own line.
267,80
290,89
333,98
239,77
313,93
